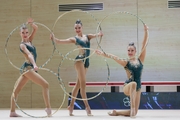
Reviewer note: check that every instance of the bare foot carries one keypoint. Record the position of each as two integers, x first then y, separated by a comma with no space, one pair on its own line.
70,110
88,111
48,111
113,113
14,114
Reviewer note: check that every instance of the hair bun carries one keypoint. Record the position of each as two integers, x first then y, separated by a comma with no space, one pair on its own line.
78,21
23,26
131,44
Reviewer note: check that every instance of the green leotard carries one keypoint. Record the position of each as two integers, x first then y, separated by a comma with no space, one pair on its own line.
28,65
87,51
135,73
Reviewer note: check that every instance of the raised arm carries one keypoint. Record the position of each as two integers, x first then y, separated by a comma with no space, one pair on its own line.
29,55
34,29
143,49
116,58
90,36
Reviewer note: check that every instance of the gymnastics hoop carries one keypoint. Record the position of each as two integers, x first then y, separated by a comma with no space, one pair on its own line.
76,10
123,12
61,84
13,32
79,60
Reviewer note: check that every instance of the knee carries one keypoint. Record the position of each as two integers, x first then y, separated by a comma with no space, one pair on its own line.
134,112
16,92
133,85
46,85
82,87
77,85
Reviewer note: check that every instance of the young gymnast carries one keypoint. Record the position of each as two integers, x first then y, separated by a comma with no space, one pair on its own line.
29,52
133,67
82,41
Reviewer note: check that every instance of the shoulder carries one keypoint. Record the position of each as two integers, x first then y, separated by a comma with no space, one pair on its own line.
22,45
126,63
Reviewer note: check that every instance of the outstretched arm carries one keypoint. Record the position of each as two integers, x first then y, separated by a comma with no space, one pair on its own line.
90,36
35,27
62,41
143,49
116,58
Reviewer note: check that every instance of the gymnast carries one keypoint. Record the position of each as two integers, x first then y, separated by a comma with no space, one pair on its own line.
29,52
81,66
133,67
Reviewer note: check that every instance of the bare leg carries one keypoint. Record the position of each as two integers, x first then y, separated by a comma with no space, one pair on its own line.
135,101
74,94
21,82
133,98
36,78
81,71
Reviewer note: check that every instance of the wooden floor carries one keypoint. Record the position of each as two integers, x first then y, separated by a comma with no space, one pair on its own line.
98,115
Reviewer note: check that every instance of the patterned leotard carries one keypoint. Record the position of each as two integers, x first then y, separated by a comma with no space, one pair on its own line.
27,65
86,51
135,73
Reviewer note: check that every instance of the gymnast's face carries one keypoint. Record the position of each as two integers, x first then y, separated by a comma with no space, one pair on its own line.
131,51
24,34
78,28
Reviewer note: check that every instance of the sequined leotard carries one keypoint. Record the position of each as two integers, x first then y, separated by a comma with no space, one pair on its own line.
86,51
135,73
27,65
